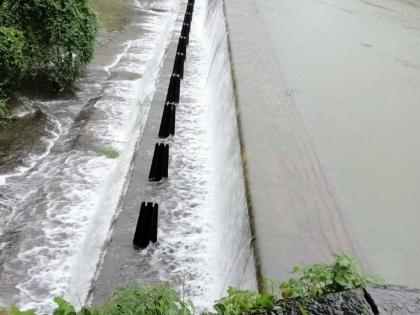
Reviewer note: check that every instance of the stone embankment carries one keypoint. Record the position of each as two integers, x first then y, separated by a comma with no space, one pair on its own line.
374,300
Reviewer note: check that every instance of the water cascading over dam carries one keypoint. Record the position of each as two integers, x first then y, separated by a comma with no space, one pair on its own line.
234,236
204,242
58,208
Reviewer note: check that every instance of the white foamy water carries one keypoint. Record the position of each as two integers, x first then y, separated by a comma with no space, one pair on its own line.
204,232
63,206
32,159
59,206
235,254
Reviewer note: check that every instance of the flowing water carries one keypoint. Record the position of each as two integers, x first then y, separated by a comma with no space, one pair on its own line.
59,192
204,234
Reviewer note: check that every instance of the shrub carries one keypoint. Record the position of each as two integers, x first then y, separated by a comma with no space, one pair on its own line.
319,279
52,39
158,299
13,62
239,302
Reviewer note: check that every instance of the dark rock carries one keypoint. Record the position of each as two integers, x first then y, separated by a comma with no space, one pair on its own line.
382,300
342,303
392,299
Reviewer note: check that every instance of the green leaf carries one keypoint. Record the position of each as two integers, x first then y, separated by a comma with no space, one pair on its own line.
85,311
64,307
296,269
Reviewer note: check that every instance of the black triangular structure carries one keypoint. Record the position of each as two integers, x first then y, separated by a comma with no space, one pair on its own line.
185,33
179,66
172,119
164,166
182,47
164,123
185,29
154,169
146,228
188,17
167,124
154,232
174,88
160,163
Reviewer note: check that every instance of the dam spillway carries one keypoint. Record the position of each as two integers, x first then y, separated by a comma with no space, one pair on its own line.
67,209
204,242
329,152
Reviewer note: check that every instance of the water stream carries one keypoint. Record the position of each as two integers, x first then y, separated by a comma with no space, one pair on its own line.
59,193
204,233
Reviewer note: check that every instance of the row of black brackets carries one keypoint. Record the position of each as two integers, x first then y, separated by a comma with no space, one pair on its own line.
167,125
146,229
147,223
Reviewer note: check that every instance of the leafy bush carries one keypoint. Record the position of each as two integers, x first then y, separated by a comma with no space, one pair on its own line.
239,302
158,299
319,279
13,62
47,42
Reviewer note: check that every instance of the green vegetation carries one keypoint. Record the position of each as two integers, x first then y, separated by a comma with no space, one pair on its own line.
44,43
319,279
239,302
158,299
14,63
161,299
110,153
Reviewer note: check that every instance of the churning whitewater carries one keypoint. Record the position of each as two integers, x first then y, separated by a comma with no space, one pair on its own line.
57,205
204,239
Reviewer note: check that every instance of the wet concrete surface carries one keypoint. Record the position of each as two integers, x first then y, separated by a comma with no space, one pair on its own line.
117,268
122,263
328,95
203,226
